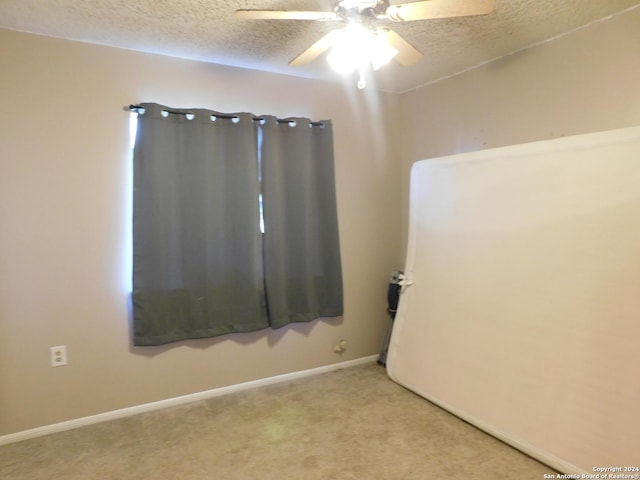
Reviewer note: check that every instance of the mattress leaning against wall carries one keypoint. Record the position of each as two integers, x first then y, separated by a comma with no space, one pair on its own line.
522,313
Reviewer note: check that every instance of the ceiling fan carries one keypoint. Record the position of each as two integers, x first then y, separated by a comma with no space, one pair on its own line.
363,41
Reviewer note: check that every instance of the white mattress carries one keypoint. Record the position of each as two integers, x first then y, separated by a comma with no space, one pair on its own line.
522,309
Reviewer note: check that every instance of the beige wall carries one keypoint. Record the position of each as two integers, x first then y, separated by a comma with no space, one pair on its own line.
586,81
64,184
64,189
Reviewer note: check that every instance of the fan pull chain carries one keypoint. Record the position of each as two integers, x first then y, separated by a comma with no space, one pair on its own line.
361,82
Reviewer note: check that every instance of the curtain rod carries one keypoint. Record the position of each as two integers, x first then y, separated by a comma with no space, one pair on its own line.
222,115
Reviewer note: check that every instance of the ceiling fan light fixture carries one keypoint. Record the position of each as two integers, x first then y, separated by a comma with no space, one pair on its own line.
357,47
350,49
363,44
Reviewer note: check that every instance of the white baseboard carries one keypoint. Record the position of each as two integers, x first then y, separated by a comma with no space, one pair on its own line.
171,402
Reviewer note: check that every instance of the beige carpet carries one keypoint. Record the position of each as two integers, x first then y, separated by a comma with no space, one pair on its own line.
348,424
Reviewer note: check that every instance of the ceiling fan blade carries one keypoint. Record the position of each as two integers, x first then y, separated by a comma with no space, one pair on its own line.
249,14
407,53
429,9
317,49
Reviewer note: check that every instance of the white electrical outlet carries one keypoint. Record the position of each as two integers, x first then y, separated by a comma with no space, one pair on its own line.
58,356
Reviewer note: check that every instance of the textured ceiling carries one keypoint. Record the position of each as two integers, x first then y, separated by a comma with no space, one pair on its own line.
207,30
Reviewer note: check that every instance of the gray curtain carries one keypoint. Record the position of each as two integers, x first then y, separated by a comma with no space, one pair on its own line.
301,248
201,266
197,251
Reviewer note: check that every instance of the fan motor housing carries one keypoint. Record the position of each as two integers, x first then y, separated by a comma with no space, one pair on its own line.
361,7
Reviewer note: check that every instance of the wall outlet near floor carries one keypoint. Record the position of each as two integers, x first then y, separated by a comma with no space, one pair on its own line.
58,356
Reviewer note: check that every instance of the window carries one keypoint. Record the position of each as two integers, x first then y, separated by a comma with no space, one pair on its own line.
234,224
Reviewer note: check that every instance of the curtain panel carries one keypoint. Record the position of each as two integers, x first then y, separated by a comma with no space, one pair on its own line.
201,265
301,248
